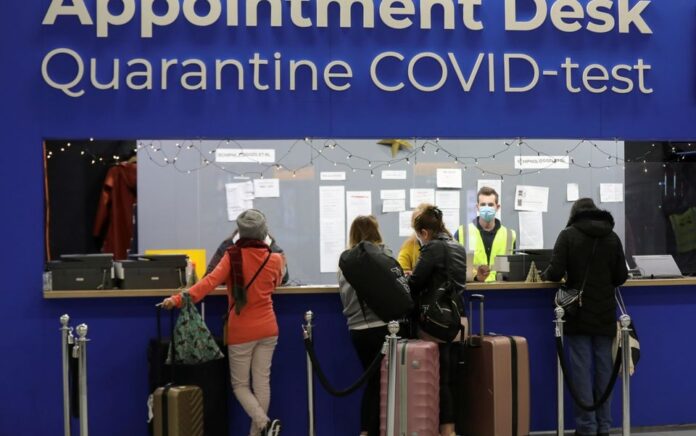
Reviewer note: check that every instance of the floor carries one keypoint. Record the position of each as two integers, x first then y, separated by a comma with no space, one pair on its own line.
666,431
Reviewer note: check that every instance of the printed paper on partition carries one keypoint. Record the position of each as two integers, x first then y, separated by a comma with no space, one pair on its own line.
239,197
611,192
395,205
267,188
405,223
532,198
531,230
449,178
332,227
572,192
419,196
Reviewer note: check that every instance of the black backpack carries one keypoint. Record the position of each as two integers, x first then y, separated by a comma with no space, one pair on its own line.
378,280
439,311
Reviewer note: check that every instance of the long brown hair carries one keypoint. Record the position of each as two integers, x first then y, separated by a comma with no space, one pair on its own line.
364,228
430,218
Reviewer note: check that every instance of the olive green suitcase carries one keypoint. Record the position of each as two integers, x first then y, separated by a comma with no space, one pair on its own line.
178,411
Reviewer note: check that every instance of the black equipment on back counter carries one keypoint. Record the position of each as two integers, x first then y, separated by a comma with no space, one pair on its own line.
160,271
80,272
515,267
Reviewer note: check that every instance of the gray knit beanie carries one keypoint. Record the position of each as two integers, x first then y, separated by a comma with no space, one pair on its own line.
252,224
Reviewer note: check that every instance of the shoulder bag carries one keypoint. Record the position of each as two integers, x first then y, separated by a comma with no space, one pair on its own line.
571,299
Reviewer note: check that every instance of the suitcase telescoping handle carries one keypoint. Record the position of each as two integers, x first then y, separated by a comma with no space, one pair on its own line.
475,340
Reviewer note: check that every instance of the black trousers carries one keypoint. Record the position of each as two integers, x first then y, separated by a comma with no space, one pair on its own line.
449,358
368,343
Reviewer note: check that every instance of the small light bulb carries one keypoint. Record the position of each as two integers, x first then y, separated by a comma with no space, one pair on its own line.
372,173
62,149
91,139
369,164
82,153
294,174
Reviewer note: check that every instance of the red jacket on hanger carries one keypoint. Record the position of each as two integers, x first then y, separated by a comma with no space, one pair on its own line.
115,209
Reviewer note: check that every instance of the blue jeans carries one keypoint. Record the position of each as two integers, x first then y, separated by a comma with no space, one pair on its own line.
587,353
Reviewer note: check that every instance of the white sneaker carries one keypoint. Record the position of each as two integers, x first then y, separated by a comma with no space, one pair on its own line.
272,428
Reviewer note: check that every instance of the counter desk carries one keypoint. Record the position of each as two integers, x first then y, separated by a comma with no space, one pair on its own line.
332,289
122,321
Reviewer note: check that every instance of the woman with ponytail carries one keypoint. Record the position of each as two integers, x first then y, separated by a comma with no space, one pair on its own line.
441,259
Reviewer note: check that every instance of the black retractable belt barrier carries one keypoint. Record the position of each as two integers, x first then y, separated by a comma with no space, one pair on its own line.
571,387
309,346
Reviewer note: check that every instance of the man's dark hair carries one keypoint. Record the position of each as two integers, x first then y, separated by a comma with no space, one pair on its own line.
487,190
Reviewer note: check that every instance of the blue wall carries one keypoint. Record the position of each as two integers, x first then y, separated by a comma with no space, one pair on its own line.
33,111
120,330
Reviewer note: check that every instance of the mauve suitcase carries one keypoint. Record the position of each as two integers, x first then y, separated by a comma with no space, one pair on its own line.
495,384
417,390
178,411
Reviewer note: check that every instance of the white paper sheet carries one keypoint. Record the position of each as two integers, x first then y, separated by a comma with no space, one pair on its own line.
405,228
449,178
451,219
357,203
611,192
268,188
394,205
542,162
532,198
531,230
498,186
239,197
332,226
392,194
248,155
394,175
419,196
332,175
572,191
447,199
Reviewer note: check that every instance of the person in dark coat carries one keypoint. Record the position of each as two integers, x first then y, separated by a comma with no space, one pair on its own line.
429,274
588,243
227,243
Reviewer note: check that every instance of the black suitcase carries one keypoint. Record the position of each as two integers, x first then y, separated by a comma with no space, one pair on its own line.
212,377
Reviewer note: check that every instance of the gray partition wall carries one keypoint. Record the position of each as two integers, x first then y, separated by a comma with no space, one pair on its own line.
182,201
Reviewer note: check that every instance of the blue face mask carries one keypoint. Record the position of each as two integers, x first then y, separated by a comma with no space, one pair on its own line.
487,213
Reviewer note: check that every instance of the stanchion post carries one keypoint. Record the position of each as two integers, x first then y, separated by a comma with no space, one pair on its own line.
65,334
309,316
560,429
392,363
625,321
82,365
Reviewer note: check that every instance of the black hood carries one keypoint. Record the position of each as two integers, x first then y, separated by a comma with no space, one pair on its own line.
595,223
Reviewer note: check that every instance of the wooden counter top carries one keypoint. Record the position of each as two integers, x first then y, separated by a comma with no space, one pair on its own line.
332,289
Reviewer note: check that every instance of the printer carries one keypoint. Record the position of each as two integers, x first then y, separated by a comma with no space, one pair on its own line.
152,271
80,272
515,267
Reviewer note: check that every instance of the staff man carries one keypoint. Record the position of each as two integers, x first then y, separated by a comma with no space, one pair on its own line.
486,237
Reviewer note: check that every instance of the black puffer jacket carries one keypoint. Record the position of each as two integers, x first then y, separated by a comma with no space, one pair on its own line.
430,272
607,270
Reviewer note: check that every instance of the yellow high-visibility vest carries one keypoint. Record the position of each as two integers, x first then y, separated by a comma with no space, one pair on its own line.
502,244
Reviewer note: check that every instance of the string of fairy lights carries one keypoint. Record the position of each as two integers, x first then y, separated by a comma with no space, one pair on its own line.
90,156
339,155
